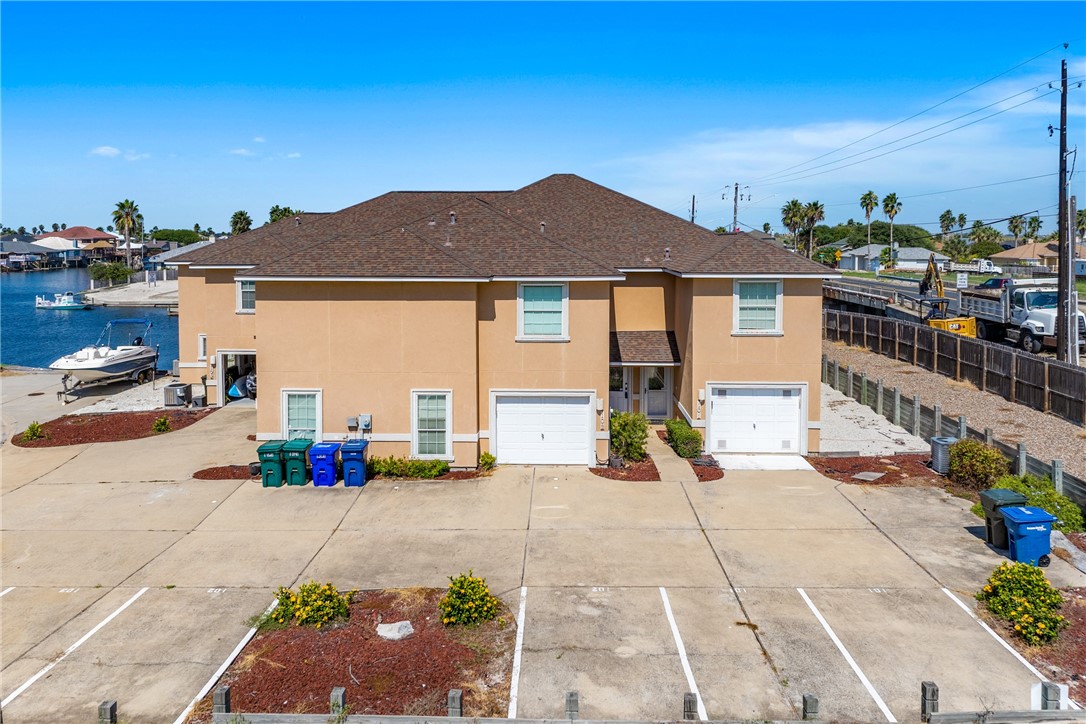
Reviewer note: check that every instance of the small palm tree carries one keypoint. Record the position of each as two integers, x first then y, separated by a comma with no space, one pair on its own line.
962,221
946,223
792,217
766,227
891,206
869,202
812,214
1033,227
240,222
124,216
1015,225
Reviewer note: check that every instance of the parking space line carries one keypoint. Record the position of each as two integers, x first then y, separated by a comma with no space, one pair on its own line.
682,654
848,657
9,589
514,680
1021,659
49,667
225,665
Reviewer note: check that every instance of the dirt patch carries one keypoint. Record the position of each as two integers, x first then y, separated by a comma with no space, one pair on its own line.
896,469
293,670
1078,540
662,434
109,427
644,471
224,472
706,473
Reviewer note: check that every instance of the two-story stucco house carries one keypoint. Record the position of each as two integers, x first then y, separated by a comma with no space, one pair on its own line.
509,322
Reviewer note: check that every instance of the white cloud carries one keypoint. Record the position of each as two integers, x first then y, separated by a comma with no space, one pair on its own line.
258,139
133,156
108,151
295,154
241,152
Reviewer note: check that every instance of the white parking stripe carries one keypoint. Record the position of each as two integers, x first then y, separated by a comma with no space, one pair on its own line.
515,678
225,665
1004,644
682,654
848,657
9,589
26,684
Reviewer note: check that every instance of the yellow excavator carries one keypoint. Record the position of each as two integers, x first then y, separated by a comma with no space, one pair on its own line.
933,297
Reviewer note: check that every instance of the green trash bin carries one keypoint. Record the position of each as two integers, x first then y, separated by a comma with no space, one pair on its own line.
271,463
995,528
294,457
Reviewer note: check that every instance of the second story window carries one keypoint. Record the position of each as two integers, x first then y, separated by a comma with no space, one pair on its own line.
246,297
543,312
757,307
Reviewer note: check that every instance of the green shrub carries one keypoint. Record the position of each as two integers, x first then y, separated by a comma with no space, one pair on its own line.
468,601
685,440
1041,493
161,424
394,467
1021,595
315,604
34,431
487,461
975,465
629,432
114,271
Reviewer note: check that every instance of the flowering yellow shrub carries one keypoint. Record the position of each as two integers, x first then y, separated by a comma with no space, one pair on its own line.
1021,595
315,604
467,601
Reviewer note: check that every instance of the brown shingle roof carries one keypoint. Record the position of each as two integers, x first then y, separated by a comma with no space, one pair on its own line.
80,233
644,348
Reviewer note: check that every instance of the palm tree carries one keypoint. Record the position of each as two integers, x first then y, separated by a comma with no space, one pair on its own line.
891,206
812,214
946,223
766,227
792,217
1015,225
63,226
1033,227
124,216
240,222
961,223
56,226
869,202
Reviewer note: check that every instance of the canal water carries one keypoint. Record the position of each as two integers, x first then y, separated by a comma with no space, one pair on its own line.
36,337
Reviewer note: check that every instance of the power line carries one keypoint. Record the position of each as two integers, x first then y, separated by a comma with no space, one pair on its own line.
951,191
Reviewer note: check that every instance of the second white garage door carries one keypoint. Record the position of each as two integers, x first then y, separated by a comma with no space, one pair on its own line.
756,420
543,429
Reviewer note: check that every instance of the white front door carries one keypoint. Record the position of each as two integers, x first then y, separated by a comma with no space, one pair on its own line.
656,392
543,429
620,389
755,420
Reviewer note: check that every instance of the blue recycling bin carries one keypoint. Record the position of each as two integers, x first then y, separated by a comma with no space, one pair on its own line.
322,457
353,454
1029,530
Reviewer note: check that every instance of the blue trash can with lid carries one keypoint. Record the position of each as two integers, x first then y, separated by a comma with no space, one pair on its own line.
322,457
1029,530
353,454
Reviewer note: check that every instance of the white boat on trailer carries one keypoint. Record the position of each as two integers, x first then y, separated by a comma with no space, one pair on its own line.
133,358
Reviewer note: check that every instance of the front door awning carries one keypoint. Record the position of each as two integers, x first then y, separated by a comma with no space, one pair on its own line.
653,347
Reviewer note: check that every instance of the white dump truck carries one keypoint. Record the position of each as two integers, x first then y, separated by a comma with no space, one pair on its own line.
977,266
1025,313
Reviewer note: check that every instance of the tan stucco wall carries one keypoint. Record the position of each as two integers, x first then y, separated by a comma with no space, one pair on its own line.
644,301
207,301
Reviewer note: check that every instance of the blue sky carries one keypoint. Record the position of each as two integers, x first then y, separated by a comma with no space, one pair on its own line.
198,109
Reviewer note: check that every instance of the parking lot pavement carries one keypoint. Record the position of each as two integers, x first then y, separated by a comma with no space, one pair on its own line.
66,558
24,466
563,503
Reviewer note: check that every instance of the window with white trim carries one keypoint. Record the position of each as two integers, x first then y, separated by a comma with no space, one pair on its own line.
543,311
201,347
302,414
757,306
431,424
246,297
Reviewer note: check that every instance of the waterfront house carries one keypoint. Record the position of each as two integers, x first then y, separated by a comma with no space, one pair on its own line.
507,321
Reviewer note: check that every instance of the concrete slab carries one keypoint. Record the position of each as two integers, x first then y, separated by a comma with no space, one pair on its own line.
29,614
621,558
30,396
498,502
400,559
24,465
571,502
815,558
762,462
805,659
771,501
115,506
597,641
729,667
78,558
849,427
289,508
671,467
891,637
909,507
257,559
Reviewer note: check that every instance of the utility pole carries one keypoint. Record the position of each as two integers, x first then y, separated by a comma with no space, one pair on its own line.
1066,317
735,205
1072,300
693,208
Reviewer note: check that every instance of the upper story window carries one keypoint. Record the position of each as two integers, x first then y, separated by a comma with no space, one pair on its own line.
543,312
757,306
246,297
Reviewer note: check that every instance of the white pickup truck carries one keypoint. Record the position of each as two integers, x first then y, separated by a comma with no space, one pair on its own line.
977,266
1025,313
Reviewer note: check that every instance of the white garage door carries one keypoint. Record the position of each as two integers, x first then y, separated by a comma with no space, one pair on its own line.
543,430
749,420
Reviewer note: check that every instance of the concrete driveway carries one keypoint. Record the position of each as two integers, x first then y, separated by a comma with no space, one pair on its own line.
124,578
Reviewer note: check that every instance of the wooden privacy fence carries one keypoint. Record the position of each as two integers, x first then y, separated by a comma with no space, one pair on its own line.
928,422
1043,384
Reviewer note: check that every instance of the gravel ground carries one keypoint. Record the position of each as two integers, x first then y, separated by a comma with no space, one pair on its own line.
137,398
1047,437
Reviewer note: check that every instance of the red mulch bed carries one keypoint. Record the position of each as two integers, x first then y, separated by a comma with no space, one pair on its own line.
644,471
897,469
109,427
251,438
706,473
662,434
293,670
224,472
451,475
1078,539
